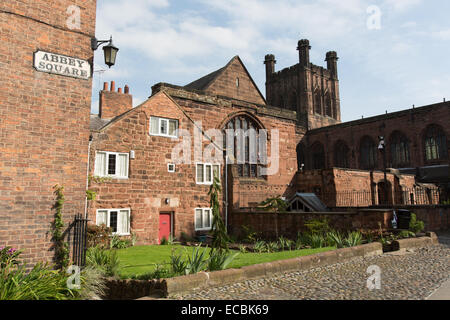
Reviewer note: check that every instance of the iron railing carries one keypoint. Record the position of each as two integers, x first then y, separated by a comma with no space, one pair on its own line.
367,198
79,240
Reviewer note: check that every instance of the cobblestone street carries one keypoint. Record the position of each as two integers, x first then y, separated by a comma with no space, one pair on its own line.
409,276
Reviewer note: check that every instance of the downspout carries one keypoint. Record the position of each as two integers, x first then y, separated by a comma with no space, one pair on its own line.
87,178
226,193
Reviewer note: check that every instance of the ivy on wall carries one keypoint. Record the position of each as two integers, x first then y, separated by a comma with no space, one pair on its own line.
61,247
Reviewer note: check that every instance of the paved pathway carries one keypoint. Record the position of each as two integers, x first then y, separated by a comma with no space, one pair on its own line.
410,276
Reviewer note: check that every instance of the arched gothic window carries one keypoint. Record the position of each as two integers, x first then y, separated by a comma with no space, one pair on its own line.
341,155
245,149
368,153
435,144
301,156
328,106
317,156
317,103
400,156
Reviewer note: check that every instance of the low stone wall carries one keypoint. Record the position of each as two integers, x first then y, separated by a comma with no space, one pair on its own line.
202,280
131,289
271,225
413,243
436,218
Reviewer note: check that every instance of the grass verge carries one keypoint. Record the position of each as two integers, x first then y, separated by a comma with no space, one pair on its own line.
139,260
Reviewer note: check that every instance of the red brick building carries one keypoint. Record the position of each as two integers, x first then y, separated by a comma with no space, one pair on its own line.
153,190
45,101
152,195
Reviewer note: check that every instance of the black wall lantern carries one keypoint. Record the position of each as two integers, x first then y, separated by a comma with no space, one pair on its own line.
110,51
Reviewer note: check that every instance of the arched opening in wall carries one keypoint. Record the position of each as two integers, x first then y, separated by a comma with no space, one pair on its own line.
243,145
368,153
317,103
400,156
384,193
341,155
317,156
435,144
301,156
328,106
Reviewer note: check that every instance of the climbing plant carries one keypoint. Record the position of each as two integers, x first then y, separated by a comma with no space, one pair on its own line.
219,231
61,247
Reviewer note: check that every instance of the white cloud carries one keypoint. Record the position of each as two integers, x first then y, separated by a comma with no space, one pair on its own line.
178,42
441,35
402,5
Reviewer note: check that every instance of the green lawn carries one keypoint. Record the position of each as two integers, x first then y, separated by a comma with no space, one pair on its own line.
142,259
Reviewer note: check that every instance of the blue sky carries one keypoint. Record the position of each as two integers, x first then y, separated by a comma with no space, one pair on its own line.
403,62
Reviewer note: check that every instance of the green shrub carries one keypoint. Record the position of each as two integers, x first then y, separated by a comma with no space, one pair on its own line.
242,249
250,236
303,240
105,261
8,256
273,247
178,265
164,241
119,243
416,226
260,246
160,272
220,260
353,239
317,240
284,243
196,262
335,239
318,226
406,234
98,236
93,284
41,283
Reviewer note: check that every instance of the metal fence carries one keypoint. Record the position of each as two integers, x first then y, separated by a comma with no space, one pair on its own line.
367,198
79,240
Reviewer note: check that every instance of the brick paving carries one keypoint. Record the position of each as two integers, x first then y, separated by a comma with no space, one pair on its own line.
413,275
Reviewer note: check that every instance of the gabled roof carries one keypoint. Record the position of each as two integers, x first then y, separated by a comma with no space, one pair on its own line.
311,201
204,82
208,81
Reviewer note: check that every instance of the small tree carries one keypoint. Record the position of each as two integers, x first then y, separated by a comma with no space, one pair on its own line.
219,231
274,204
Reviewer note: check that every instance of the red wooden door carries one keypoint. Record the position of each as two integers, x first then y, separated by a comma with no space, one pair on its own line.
165,227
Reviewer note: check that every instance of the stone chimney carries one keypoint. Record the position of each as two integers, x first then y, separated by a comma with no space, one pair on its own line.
112,103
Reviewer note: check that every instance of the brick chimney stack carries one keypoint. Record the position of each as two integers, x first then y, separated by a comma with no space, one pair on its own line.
112,103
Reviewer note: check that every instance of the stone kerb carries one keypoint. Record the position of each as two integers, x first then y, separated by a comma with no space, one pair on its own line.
220,278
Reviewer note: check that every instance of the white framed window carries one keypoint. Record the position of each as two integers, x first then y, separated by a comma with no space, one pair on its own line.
203,219
116,219
111,164
171,167
163,127
206,172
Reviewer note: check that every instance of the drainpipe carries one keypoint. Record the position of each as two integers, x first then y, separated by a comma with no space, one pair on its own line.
226,192
87,178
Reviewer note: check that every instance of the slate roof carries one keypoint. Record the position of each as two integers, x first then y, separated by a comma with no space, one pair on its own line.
97,123
202,83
